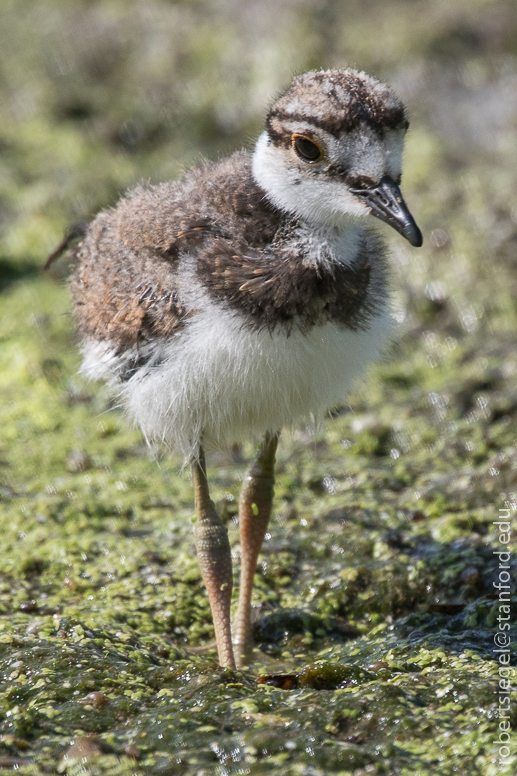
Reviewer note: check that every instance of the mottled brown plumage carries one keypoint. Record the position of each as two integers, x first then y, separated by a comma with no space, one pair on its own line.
248,256
281,287
125,287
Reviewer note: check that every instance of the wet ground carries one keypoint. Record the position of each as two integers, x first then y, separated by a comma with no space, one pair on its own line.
375,600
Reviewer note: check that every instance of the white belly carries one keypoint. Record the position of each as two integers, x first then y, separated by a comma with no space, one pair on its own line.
220,382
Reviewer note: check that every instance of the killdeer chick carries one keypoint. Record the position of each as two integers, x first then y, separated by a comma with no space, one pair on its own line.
248,296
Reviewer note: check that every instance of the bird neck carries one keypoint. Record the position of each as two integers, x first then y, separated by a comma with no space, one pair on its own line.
310,202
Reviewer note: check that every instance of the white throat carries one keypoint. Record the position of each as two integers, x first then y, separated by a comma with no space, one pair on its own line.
317,201
332,216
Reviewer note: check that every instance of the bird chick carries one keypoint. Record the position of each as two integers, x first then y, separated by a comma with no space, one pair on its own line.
248,296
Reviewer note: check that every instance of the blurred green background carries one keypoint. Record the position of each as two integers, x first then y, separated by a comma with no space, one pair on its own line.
383,522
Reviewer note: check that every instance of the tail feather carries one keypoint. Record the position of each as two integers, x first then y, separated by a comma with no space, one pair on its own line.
72,233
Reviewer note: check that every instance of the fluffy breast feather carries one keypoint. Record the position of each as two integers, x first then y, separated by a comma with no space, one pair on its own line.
219,382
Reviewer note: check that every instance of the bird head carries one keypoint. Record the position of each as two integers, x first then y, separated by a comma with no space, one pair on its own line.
332,150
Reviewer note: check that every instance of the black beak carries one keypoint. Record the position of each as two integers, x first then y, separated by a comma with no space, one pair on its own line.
387,203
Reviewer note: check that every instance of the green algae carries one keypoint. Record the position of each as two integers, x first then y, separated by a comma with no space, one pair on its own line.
374,592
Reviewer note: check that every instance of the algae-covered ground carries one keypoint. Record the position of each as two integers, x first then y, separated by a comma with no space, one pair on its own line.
375,599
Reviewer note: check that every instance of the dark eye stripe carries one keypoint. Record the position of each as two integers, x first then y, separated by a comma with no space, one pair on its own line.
307,149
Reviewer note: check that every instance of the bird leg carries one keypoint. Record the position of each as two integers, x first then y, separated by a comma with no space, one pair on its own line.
215,560
254,512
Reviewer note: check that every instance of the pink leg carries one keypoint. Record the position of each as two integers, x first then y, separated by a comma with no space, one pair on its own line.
254,512
215,560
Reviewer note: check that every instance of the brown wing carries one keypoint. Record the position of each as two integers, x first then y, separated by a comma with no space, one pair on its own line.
125,286
124,293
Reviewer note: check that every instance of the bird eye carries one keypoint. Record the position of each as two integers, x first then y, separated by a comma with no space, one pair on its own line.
307,149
